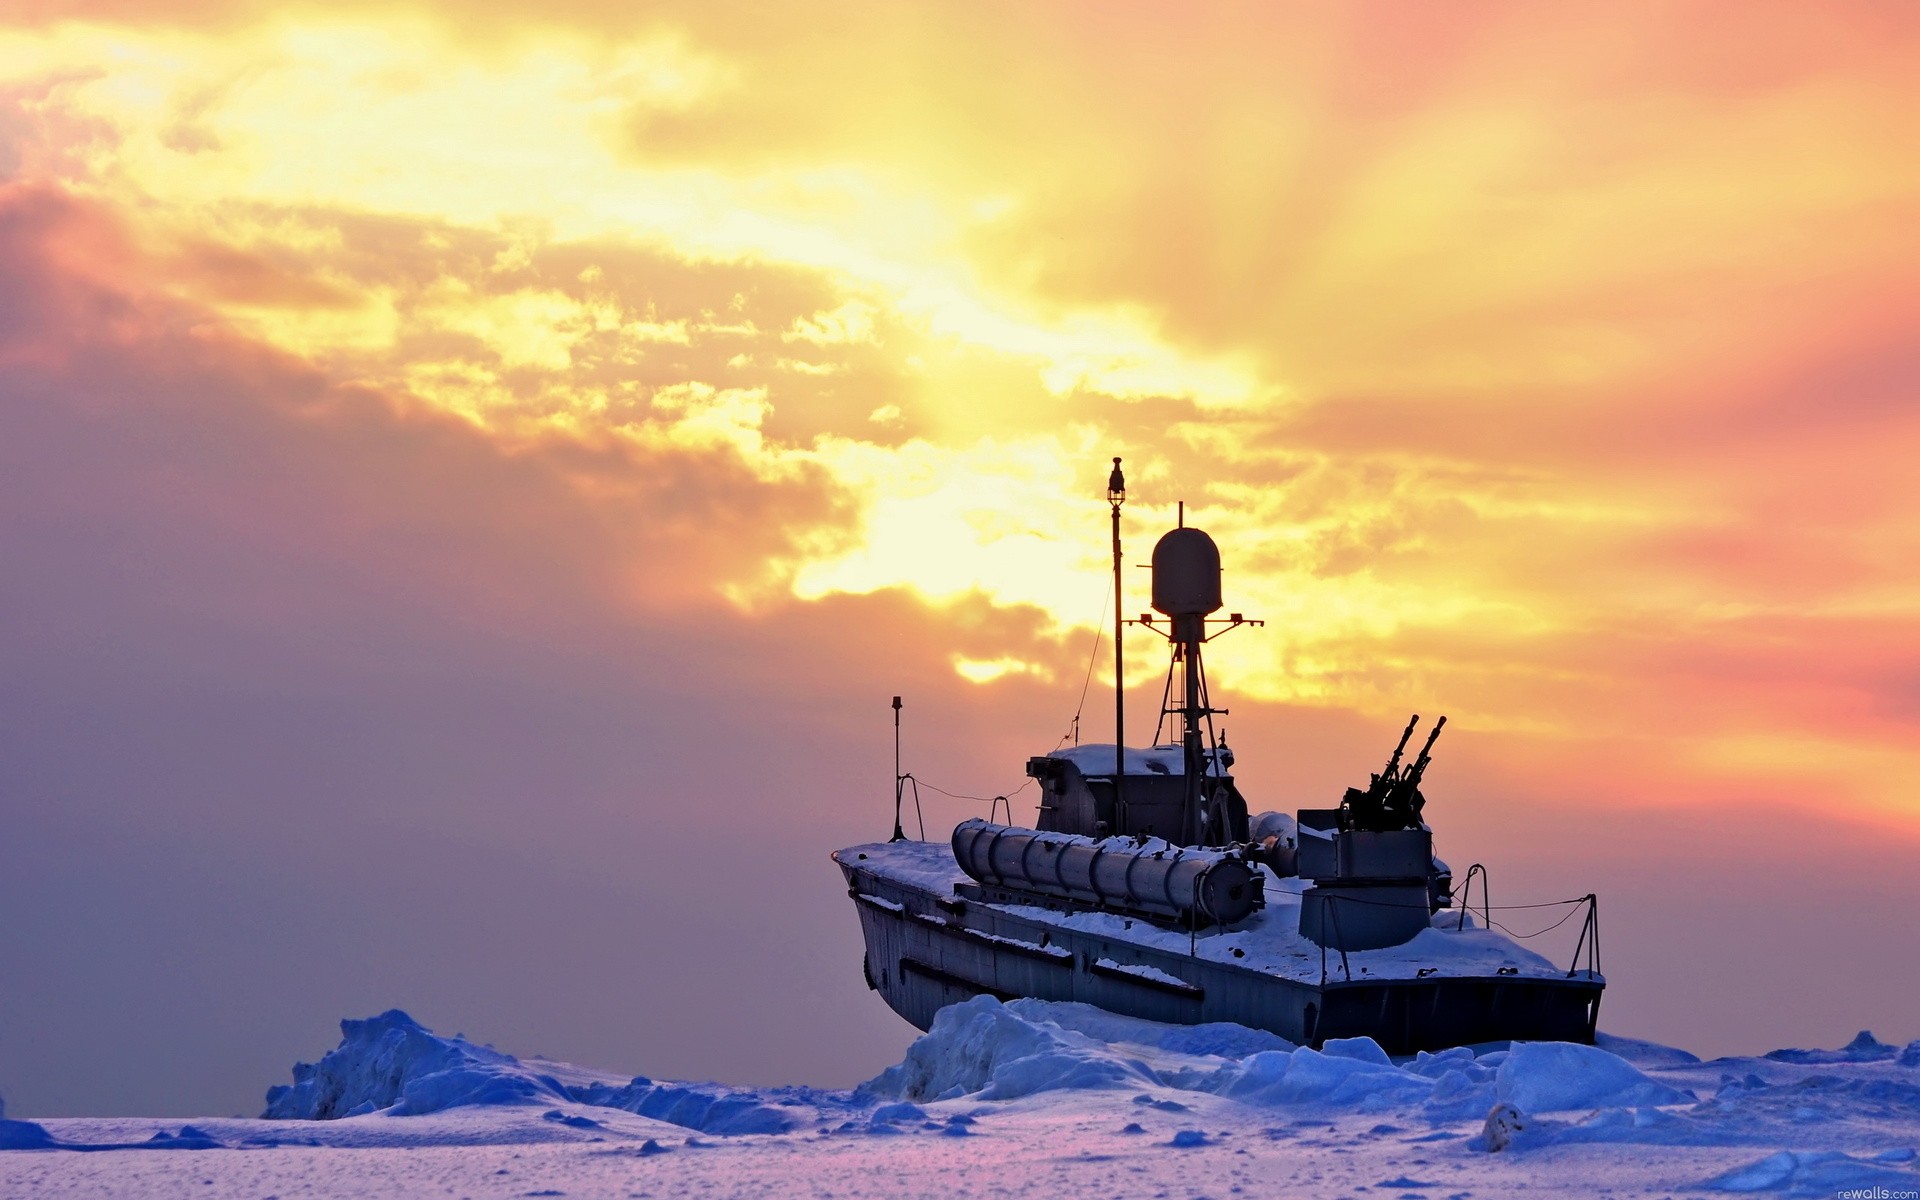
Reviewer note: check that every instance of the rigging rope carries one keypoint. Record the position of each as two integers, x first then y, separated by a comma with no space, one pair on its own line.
982,799
1073,727
1093,656
1536,933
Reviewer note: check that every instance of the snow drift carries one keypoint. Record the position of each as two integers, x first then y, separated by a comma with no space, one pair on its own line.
981,1050
986,1050
1864,1048
1509,1102
21,1135
391,1064
1822,1173
995,1088
1553,1076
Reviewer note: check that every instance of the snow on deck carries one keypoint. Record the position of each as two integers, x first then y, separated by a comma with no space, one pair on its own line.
1096,758
1269,941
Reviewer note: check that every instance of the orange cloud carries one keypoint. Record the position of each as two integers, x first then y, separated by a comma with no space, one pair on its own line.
1554,365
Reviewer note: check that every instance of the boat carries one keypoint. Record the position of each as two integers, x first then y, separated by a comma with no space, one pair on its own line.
1147,888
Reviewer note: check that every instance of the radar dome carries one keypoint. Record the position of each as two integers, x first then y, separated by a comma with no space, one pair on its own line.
1186,573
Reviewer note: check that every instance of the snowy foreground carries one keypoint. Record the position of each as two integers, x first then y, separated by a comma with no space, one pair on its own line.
1030,1099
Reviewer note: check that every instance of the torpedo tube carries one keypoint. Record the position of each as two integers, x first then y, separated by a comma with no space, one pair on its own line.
1196,888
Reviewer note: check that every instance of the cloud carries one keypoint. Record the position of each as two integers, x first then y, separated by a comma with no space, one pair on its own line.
1462,357
851,322
693,495
318,697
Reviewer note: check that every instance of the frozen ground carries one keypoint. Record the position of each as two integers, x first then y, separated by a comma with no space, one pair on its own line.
1030,1099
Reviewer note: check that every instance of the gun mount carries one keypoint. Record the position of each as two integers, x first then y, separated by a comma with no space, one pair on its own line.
1371,860
1392,799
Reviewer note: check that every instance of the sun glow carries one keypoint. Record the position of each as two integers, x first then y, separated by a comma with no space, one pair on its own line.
1492,383
975,670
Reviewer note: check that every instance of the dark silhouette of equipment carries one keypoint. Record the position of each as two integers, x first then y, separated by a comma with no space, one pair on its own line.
1392,800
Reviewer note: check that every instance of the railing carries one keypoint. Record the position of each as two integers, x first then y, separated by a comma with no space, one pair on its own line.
1466,898
996,805
1333,912
1587,907
1589,938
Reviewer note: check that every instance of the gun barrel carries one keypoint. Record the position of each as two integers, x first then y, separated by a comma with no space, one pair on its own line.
1426,752
1393,763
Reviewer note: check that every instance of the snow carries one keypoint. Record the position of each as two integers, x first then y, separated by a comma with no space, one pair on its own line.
1059,952
1555,1076
23,1135
1150,974
1863,1048
1822,1173
927,866
987,1050
1274,824
392,1066
1028,1099
1643,1054
1096,758
389,1062
1365,1049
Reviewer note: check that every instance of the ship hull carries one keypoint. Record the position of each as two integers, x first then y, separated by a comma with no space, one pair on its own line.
926,950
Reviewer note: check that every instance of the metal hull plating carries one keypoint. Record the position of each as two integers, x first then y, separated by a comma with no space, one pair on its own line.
926,951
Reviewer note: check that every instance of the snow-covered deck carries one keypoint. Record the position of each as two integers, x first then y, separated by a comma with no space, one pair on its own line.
1270,941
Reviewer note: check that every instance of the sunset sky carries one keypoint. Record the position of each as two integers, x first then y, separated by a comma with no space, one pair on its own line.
471,479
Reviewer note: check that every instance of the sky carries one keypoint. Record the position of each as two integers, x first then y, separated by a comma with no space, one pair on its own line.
473,476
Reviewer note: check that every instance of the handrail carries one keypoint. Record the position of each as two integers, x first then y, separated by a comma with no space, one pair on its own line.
900,783
1333,914
1589,939
1466,899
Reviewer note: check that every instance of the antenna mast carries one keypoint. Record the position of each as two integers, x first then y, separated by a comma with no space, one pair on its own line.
1186,588
1116,496
899,780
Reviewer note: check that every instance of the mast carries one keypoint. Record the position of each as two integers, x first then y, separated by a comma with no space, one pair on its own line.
1186,588
1116,496
1189,631
899,780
